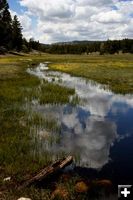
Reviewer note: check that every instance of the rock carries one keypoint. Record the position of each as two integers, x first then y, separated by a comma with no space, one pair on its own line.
60,192
81,187
7,179
103,183
23,198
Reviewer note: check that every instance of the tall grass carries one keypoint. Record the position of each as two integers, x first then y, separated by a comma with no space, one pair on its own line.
53,93
22,149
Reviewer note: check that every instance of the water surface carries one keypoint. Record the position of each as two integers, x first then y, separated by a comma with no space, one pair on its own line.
98,130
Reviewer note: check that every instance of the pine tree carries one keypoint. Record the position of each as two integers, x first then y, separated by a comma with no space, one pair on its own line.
5,25
17,34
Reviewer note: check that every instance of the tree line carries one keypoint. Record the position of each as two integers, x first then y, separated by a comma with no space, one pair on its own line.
88,47
11,38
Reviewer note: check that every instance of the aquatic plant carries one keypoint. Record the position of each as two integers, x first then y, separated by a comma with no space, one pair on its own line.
53,93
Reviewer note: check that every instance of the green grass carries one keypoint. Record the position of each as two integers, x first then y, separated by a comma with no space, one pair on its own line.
20,144
53,93
21,148
115,71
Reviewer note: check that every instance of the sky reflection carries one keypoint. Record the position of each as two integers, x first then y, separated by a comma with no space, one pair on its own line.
89,129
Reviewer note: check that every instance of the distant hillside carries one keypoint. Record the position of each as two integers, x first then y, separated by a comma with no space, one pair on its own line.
77,42
87,47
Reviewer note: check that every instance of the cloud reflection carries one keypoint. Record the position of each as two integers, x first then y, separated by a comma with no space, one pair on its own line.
86,130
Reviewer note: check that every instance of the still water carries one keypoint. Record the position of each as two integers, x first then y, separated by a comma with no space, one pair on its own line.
99,129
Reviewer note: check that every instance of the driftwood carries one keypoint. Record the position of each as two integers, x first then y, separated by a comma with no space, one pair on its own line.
44,173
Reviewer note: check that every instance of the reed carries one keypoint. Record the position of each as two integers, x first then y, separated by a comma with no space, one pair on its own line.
54,94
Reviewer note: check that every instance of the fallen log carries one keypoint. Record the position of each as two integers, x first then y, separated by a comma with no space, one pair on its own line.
44,173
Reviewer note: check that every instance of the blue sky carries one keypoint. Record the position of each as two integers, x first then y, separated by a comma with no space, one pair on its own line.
15,6
65,20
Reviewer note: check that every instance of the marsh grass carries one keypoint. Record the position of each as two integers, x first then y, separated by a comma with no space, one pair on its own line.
75,100
114,71
15,140
46,130
53,93
22,151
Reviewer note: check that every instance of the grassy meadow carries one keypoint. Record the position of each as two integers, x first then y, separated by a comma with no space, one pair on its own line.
19,154
116,71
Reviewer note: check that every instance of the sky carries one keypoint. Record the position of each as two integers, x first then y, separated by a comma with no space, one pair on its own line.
51,21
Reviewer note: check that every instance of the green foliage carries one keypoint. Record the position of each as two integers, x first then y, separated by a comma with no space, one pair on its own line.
5,25
102,49
87,47
25,48
34,44
10,30
16,34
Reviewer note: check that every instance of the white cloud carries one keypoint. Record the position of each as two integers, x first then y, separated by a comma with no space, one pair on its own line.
64,20
96,3
109,17
26,23
50,9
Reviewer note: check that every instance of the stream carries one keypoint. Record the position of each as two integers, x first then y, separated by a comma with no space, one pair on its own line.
98,130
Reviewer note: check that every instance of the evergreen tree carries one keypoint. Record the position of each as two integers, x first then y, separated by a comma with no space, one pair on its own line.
25,46
17,34
34,44
5,25
102,48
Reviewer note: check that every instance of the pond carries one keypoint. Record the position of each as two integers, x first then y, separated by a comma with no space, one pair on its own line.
98,129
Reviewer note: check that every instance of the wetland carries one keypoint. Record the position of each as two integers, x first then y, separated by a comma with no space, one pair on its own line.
52,106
